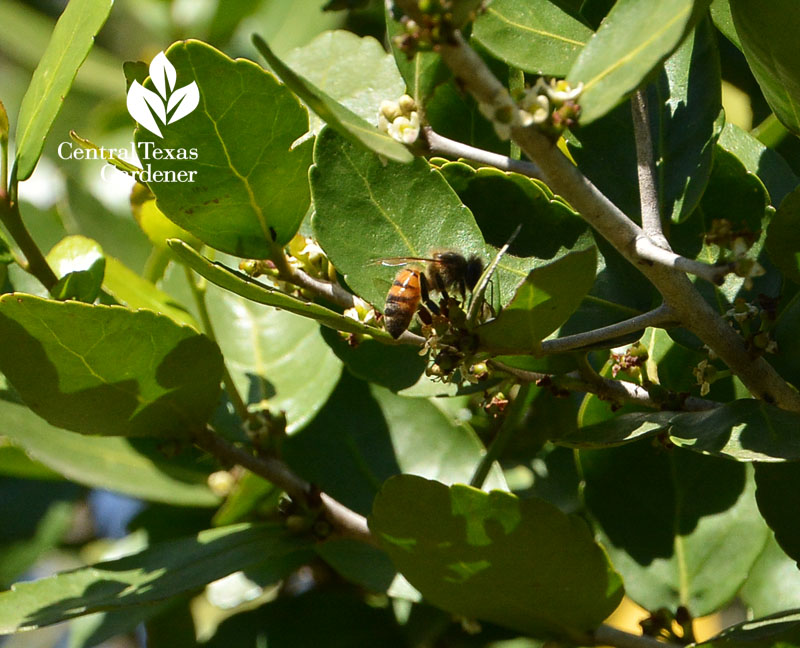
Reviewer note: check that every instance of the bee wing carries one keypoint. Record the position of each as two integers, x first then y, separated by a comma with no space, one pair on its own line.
400,261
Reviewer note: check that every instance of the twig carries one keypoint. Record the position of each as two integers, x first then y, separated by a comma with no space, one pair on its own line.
648,250
617,391
606,635
199,295
660,316
331,291
507,429
345,522
440,145
646,168
36,263
565,179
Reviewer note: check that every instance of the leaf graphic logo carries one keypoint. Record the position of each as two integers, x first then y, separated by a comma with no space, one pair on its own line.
170,106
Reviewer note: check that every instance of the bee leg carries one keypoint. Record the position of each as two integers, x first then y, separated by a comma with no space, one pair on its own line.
426,297
424,315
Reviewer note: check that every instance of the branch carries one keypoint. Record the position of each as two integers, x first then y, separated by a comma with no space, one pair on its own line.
606,635
345,523
331,291
565,179
646,167
648,250
36,263
616,391
440,145
660,316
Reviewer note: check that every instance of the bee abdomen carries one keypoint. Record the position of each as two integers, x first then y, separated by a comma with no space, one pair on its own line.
402,302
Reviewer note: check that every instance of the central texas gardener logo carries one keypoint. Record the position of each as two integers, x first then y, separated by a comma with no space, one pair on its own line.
171,106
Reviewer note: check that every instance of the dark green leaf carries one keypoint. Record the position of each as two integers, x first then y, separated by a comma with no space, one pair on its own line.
135,467
769,166
631,42
253,290
617,430
783,237
519,563
364,74
359,563
782,629
542,303
80,265
745,430
71,41
536,36
365,434
250,186
348,123
277,359
778,497
107,370
672,546
248,492
6,255
156,573
770,45
787,358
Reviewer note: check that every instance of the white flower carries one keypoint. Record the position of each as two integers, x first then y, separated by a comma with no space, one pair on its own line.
405,130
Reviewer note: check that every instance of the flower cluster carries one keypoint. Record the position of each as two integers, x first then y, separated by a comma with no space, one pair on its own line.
400,119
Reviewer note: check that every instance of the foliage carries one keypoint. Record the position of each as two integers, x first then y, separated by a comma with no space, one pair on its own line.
568,422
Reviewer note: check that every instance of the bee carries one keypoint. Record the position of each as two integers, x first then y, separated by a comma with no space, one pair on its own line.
412,286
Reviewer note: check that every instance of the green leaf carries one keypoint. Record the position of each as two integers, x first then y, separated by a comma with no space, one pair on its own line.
783,237
769,166
71,41
250,187
631,42
782,629
774,581
337,116
537,36
672,546
769,43
242,285
15,463
80,264
616,430
778,499
135,467
745,430
359,563
723,20
154,574
277,359
385,434
542,303
249,492
363,76
687,122
131,290
107,370
522,564
6,256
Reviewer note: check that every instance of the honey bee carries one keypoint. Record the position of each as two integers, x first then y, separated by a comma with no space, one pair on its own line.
444,270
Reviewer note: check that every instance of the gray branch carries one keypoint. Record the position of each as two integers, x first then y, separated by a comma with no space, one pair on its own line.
646,168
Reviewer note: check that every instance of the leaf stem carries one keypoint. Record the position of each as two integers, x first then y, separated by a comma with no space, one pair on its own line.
199,295
345,522
440,145
327,289
770,132
661,317
36,264
506,432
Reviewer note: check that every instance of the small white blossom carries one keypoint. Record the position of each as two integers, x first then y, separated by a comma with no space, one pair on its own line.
405,130
560,92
